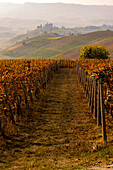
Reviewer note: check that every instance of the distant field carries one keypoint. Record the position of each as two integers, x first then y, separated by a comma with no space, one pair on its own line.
71,45
42,53
52,46
29,47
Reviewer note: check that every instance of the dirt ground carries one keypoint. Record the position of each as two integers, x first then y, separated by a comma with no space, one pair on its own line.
61,133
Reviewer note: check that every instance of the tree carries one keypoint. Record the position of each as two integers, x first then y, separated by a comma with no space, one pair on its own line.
24,42
93,51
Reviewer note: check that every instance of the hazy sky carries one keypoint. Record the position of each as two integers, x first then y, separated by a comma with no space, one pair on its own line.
86,2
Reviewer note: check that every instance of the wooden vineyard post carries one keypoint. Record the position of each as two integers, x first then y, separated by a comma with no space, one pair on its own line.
87,88
80,75
50,74
31,97
92,96
7,99
75,64
60,63
90,91
84,75
69,64
102,112
43,78
84,80
98,107
95,98
46,75
56,66
35,80
77,67
26,101
19,111
37,91
111,112
40,78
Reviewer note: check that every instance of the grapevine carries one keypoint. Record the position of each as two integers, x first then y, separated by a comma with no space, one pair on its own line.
22,82
95,69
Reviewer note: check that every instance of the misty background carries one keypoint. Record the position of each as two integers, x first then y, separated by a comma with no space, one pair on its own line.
28,28
18,19
29,15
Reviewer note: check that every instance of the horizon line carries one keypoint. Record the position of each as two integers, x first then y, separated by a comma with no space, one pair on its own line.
55,3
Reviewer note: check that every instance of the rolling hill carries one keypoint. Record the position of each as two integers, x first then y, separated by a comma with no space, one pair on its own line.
52,46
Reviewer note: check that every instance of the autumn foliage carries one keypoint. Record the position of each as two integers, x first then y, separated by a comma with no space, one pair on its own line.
101,68
93,51
21,83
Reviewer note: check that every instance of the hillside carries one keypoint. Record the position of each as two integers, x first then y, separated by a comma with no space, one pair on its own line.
16,19
25,37
53,46
30,47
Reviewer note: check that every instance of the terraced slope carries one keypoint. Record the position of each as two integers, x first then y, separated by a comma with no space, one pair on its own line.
52,46
70,46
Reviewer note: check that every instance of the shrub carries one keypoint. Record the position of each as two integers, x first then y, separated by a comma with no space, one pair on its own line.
93,51
24,42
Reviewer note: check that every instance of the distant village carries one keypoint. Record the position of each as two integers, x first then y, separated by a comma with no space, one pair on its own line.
50,27
7,32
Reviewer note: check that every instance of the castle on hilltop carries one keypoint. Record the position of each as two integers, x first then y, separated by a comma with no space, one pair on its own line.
47,27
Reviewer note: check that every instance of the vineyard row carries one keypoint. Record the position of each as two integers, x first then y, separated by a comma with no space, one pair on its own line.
96,77
22,83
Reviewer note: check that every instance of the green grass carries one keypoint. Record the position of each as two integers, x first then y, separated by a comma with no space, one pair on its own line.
74,44
26,49
42,53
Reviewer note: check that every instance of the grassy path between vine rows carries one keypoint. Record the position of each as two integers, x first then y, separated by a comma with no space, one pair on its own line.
61,134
